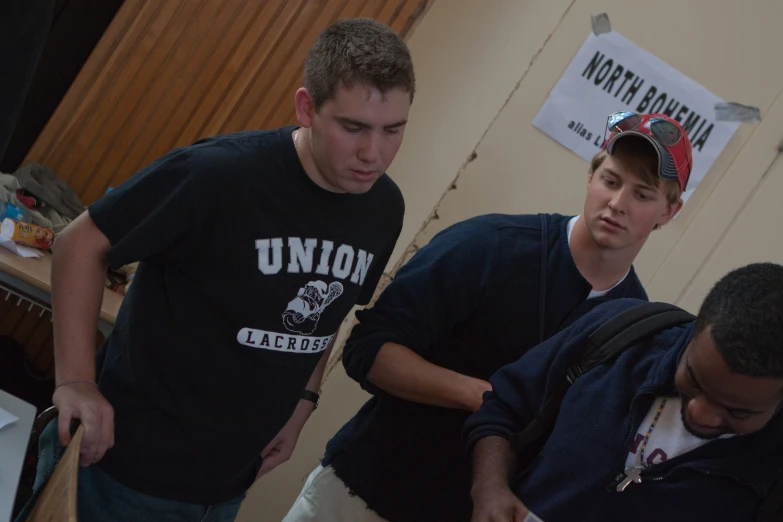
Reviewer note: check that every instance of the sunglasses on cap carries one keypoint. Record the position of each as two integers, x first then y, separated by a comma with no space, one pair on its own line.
662,131
665,132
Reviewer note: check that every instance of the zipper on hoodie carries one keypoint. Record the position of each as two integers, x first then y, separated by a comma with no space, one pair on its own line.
709,474
612,486
620,477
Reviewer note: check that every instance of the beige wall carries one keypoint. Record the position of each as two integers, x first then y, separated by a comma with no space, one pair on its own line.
484,68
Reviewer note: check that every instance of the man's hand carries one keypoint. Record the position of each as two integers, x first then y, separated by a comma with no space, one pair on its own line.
497,504
282,446
83,401
478,388
405,374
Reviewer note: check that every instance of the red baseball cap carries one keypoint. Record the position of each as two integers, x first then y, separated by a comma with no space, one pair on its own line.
671,143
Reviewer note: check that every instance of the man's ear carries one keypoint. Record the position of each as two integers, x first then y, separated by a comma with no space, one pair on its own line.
671,211
305,107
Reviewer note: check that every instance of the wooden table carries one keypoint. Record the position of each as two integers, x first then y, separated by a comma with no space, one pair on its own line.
32,276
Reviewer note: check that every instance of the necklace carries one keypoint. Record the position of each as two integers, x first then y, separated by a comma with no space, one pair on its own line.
633,473
649,432
296,136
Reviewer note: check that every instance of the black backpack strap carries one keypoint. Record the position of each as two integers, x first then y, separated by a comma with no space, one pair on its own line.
532,438
771,509
625,329
603,345
542,279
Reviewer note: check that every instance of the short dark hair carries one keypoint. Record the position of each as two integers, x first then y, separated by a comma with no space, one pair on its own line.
357,50
745,311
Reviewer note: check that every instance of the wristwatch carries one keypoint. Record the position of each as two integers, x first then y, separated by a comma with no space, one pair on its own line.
311,396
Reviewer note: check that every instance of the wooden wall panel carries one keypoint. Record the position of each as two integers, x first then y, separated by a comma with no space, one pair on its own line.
168,72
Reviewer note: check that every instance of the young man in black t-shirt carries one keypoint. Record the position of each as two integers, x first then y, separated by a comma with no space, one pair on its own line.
253,248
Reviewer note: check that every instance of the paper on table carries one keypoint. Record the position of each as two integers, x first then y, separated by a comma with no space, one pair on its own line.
19,250
6,418
531,517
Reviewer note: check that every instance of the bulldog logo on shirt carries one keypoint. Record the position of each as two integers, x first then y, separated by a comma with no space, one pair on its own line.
303,312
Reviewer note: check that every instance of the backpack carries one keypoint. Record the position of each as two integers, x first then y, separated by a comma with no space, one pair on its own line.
603,346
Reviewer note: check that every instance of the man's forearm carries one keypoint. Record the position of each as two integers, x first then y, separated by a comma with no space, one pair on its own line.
404,373
314,384
305,407
493,463
77,292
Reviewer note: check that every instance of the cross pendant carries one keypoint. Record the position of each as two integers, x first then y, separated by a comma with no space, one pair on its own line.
631,475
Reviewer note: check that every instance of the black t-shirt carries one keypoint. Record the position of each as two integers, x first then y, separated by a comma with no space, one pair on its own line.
247,270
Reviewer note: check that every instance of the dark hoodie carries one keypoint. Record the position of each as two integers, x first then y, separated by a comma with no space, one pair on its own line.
471,300
575,476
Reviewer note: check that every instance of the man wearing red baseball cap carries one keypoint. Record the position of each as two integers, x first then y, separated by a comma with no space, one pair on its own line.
478,296
671,144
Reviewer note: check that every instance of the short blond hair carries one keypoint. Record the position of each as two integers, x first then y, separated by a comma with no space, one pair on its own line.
638,155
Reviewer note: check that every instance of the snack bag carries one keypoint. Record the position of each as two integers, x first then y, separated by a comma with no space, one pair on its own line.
27,233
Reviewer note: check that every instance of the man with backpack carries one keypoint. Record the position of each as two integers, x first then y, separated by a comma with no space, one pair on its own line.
474,299
671,421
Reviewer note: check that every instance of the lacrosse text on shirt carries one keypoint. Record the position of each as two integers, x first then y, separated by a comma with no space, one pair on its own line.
301,316
339,262
282,342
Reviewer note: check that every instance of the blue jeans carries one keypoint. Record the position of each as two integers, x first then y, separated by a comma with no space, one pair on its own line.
103,499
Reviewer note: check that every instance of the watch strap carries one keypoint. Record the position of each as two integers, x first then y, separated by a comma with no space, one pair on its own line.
310,396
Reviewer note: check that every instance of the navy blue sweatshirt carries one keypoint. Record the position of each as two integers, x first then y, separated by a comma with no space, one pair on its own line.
574,477
471,301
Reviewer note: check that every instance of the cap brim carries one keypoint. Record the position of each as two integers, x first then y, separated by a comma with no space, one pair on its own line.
660,150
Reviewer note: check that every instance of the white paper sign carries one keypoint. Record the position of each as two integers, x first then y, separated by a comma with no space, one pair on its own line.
612,74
